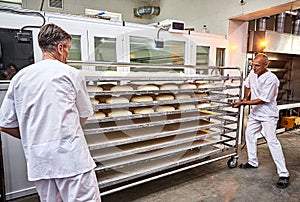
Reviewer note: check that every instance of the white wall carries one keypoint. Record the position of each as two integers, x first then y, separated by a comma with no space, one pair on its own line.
214,13
77,7
195,13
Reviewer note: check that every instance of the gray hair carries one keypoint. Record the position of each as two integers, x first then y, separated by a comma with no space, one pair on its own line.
50,35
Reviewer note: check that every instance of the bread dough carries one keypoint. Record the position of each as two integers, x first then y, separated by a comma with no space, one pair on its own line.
116,100
119,112
169,87
121,88
143,110
107,86
201,95
164,108
148,87
187,86
94,101
182,96
97,115
94,88
209,85
164,97
186,106
202,105
142,98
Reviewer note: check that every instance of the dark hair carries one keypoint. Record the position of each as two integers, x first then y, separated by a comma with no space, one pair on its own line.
50,35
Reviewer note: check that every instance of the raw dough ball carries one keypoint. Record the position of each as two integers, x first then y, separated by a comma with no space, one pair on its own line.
164,97
148,87
97,115
182,96
94,88
186,106
143,110
107,86
187,86
94,101
201,95
121,88
202,105
164,108
116,100
142,98
119,112
169,87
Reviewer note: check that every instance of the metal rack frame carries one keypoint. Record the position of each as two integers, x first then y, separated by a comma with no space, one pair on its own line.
127,161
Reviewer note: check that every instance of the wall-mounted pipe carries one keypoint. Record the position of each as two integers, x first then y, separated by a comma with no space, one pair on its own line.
151,10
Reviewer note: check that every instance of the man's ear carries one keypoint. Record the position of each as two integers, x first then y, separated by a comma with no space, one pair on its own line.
60,48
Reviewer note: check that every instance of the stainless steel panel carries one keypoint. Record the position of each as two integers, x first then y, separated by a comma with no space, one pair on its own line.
275,42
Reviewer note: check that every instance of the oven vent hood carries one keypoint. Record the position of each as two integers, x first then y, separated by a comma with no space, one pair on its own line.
273,42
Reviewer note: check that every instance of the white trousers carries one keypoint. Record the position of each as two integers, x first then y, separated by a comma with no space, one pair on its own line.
82,187
269,124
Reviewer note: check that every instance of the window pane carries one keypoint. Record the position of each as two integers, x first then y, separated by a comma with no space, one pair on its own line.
75,50
105,49
202,55
220,59
143,50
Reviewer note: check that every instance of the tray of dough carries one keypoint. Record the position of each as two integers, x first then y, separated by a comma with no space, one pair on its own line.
154,116
120,175
213,107
119,127
182,143
155,102
118,138
143,146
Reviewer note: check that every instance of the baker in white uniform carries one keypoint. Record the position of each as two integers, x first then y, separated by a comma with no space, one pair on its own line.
45,106
263,86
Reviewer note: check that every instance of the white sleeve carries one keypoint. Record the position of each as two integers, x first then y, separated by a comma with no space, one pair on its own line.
247,82
8,116
83,101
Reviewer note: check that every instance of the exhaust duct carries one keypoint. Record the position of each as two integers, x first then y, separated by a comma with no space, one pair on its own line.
296,30
262,24
280,22
151,10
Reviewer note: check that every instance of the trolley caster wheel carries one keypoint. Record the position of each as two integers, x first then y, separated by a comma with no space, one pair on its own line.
232,162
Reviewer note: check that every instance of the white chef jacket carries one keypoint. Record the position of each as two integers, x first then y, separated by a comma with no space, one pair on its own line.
45,100
264,88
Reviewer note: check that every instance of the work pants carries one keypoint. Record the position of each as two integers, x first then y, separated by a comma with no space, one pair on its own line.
268,124
82,187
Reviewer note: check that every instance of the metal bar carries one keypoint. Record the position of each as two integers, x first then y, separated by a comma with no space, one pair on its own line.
2,180
174,91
